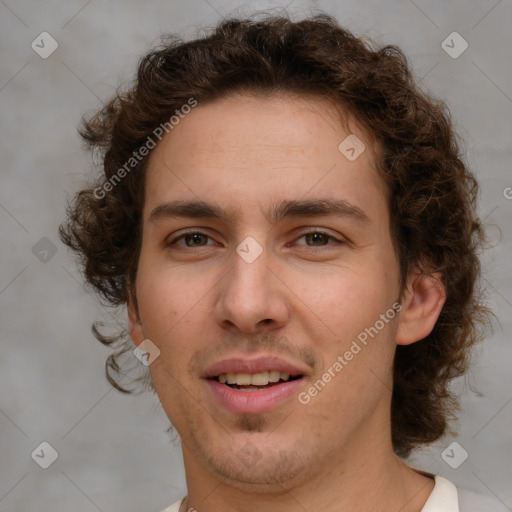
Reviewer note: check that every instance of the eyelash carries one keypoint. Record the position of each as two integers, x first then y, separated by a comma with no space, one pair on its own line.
315,231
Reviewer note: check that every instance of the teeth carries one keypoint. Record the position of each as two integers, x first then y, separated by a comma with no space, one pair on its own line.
259,379
242,379
274,376
254,379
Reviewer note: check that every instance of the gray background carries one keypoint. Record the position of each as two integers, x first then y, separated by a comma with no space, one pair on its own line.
114,452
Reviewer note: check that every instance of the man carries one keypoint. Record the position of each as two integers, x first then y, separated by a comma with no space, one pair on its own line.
291,226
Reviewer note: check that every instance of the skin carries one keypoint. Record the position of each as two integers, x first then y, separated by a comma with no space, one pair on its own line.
305,299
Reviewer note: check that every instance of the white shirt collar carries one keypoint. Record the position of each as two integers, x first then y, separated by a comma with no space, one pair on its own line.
444,497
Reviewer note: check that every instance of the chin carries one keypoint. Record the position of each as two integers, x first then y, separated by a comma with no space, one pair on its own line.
257,463
272,474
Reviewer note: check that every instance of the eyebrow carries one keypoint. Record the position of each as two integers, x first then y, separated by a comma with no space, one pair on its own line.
283,209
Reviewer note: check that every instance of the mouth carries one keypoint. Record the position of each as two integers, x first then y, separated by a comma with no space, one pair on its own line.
255,381
244,385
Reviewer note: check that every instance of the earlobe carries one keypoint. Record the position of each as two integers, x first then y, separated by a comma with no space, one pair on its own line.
423,303
135,324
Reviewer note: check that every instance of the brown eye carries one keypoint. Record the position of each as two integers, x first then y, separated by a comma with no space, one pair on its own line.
195,239
317,239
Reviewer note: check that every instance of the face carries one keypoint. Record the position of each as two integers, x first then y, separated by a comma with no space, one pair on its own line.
281,267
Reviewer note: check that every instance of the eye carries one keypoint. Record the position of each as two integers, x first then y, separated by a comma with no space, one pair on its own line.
191,239
196,239
317,238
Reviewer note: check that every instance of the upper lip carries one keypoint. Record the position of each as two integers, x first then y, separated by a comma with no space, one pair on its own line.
244,364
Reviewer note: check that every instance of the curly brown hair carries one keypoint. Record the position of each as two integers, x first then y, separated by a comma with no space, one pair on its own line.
432,193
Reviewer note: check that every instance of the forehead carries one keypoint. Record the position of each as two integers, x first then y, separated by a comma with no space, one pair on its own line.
244,147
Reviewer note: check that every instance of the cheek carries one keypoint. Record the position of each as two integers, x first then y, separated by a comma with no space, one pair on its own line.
168,298
174,306
349,301
349,318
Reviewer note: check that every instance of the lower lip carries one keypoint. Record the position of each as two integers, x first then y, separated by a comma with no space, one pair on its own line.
253,402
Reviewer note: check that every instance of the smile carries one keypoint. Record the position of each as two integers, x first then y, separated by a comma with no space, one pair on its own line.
253,398
255,381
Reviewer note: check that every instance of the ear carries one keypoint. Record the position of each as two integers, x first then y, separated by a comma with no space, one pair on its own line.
136,332
423,302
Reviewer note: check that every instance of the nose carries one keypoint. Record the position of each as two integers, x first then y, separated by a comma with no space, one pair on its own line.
252,298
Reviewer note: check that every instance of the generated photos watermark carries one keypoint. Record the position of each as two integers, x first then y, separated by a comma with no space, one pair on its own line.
305,397
163,128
